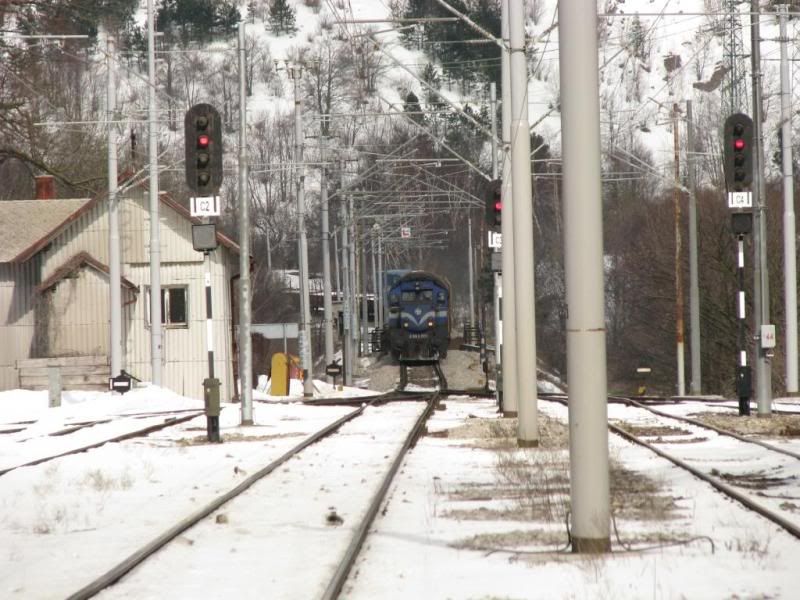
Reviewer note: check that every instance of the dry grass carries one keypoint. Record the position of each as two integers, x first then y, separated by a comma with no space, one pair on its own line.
776,425
536,481
235,437
539,538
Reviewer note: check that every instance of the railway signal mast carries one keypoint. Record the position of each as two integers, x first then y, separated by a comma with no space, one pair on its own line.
494,209
203,145
738,156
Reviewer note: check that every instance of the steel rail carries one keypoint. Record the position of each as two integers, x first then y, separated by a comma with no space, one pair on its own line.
713,481
351,554
126,565
125,436
719,430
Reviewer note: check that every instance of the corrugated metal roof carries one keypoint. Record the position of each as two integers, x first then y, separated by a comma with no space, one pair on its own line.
24,223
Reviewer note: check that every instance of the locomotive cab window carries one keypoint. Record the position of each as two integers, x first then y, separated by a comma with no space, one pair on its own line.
408,296
426,295
440,297
174,306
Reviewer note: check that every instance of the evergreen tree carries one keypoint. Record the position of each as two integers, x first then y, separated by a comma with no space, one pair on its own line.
466,62
227,17
281,17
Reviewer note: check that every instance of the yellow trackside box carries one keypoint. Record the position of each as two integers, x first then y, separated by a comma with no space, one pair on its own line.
284,367
280,375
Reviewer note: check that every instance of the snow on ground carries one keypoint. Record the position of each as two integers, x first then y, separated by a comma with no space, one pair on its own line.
456,525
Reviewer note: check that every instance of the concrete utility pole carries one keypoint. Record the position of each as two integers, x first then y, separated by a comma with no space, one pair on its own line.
245,308
364,239
471,269
694,285
327,306
373,253
760,274
522,222
497,294
114,260
336,267
304,335
354,331
381,318
676,195
789,239
347,341
155,234
583,258
510,394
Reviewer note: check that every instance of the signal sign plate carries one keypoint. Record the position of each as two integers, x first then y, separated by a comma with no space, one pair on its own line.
205,206
767,336
495,240
740,200
405,232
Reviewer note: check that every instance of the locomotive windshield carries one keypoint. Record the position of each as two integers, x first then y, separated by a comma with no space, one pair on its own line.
417,296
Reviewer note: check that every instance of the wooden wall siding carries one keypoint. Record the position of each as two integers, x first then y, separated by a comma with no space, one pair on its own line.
132,238
77,372
184,349
80,305
88,233
78,315
16,317
176,233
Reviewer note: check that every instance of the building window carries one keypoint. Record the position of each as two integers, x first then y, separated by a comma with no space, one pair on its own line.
174,306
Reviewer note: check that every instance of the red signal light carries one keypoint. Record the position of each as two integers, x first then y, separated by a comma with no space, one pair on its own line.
738,144
498,205
203,141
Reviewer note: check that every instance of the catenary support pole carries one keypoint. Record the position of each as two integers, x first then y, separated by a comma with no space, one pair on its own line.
497,292
327,305
382,317
789,239
304,335
471,270
761,273
583,258
336,266
676,195
509,400
364,242
373,255
114,260
245,312
347,346
355,344
522,223
156,331
694,285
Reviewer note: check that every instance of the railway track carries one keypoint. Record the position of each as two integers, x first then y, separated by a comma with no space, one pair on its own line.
761,476
353,461
71,441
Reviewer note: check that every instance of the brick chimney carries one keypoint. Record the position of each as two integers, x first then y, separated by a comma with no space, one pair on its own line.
45,187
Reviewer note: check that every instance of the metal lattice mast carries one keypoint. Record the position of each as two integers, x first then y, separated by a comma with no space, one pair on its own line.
734,92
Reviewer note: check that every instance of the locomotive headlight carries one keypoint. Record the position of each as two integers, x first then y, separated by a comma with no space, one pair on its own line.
430,323
405,324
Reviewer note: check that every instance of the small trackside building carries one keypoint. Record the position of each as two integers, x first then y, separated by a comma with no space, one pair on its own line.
54,295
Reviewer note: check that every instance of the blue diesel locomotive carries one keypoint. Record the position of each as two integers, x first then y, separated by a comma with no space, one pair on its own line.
418,319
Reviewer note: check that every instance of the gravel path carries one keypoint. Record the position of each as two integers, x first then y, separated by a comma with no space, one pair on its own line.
461,368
